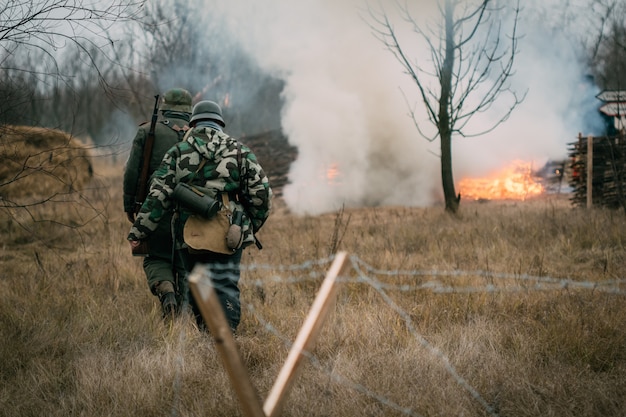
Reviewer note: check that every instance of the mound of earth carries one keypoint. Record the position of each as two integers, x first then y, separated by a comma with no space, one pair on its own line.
41,163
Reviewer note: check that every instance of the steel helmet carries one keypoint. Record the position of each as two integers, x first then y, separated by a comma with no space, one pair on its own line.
207,110
177,99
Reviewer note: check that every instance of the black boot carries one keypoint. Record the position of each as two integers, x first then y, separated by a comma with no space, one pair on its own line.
165,291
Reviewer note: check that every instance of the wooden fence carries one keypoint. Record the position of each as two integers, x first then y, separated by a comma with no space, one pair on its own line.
598,171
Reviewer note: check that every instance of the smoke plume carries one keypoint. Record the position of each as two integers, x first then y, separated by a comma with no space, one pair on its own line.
346,105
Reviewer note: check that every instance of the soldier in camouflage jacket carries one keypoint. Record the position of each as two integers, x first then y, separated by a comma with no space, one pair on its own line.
231,168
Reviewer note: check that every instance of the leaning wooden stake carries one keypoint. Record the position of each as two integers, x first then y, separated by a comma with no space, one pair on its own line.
213,314
306,338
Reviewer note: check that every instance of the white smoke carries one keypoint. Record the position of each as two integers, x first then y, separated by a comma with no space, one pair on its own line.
345,106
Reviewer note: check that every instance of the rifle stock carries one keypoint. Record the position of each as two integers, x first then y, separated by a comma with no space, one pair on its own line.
142,189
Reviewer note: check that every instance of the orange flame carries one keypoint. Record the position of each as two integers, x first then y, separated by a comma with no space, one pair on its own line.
332,173
516,182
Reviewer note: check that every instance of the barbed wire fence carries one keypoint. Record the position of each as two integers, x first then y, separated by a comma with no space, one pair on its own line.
435,281
367,275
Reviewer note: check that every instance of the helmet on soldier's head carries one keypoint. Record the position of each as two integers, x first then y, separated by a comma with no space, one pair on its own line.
207,110
177,99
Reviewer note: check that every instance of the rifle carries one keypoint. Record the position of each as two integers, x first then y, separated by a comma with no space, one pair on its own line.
142,190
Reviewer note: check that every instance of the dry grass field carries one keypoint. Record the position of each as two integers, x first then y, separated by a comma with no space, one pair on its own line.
510,309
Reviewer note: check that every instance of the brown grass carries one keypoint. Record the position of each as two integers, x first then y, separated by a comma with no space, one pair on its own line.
471,332
40,163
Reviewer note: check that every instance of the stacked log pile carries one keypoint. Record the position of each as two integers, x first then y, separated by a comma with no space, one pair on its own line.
608,171
275,154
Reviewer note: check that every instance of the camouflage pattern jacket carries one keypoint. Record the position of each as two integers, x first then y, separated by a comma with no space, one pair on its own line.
220,174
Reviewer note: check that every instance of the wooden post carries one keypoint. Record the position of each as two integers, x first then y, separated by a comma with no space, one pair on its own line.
306,337
589,171
203,292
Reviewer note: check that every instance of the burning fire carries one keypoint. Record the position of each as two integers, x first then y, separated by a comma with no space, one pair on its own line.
516,182
332,173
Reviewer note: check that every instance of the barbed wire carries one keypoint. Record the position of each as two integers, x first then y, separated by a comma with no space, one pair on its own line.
365,274
535,282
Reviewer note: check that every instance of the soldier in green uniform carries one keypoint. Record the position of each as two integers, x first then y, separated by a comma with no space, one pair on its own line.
164,279
211,159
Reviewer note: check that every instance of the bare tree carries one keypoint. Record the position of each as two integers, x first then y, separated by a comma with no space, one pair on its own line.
471,62
607,46
50,25
45,48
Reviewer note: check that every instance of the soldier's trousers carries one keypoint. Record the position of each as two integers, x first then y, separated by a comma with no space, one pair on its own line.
225,272
159,269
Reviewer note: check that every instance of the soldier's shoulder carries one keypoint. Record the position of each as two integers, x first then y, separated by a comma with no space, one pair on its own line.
184,146
180,120
229,140
244,147
173,125
143,129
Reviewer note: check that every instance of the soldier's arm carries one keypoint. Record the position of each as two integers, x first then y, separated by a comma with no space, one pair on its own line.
259,192
132,170
158,201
